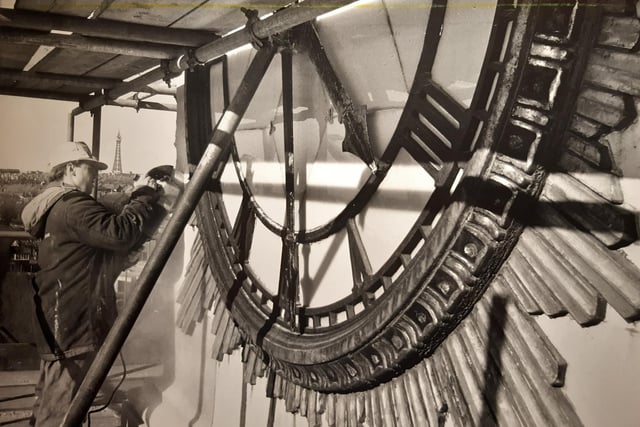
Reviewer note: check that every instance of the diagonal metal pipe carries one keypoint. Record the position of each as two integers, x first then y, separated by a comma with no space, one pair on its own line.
185,206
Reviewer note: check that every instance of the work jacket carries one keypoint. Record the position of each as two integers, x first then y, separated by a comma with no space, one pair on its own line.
84,248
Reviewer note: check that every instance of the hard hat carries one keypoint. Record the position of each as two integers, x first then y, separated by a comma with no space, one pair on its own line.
76,151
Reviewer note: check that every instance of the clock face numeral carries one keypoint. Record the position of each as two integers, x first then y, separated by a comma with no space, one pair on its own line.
435,132
354,118
244,227
289,280
360,264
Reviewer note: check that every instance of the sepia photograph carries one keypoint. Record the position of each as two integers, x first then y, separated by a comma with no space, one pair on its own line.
377,213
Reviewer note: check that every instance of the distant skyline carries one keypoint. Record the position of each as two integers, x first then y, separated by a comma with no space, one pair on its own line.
31,128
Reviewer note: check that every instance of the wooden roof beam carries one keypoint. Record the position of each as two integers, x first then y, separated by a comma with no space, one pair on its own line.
41,94
60,96
92,44
51,79
106,28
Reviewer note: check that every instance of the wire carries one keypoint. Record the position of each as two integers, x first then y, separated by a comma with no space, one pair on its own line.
113,392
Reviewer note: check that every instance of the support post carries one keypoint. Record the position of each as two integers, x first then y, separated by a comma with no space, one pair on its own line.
95,141
95,134
184,209
71,126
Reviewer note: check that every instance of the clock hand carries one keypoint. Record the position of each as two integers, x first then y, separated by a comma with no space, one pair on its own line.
354,118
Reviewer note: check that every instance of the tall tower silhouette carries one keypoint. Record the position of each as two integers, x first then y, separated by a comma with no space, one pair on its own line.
117,162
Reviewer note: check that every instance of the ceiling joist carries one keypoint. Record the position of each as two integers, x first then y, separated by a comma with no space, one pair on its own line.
91,44
96,83
40,94
53,80
103,28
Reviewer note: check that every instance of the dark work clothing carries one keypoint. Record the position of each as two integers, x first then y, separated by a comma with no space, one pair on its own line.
84,248
58,384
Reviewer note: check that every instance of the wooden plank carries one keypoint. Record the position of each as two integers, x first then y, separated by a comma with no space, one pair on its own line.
69,62
374,411
605,184
555,409
592,212
417,402
534,346
450,388
602,107
486,370
567,283
518,290
609,76
528,278
619,31
120,67
15,56
400,401
613,275
40,5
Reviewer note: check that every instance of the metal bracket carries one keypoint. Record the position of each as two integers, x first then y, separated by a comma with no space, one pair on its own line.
166,72
252,18
192,59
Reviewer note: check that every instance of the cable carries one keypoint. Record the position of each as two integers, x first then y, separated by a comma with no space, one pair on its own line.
106,405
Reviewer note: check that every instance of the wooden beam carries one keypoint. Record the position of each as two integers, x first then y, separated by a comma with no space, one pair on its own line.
92,44
51,79
106,28
95,141
71,127
60,96
43,94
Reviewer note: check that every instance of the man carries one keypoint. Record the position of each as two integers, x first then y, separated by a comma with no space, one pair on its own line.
84,248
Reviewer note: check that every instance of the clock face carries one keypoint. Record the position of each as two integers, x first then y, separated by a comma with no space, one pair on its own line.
345,226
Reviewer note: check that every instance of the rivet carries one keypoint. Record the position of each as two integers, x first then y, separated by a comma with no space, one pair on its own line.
351,370
422,318
470,250
515,142
445,287
397,342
